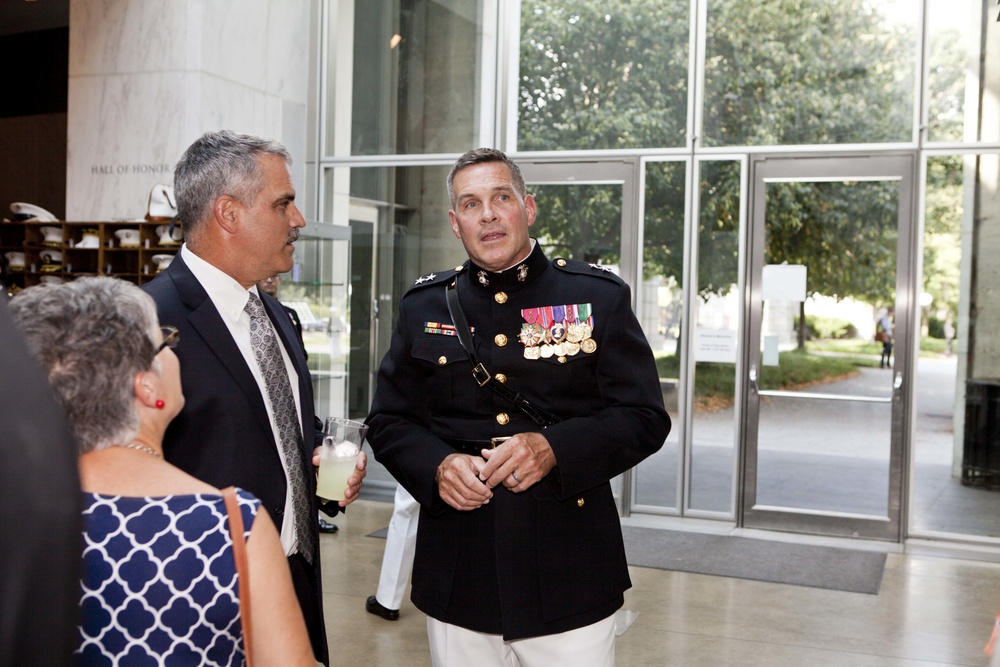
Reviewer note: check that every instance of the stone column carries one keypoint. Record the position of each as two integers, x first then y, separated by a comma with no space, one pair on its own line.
147,78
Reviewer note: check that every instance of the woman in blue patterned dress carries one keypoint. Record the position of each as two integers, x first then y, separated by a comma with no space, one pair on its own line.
159,584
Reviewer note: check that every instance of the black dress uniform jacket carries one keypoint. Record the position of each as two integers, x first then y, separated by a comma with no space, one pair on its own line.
549,559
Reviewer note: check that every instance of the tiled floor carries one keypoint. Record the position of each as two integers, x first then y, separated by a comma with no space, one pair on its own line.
930,611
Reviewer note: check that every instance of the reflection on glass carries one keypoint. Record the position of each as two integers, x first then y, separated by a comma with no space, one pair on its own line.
609,74
414,77
820,72
661,311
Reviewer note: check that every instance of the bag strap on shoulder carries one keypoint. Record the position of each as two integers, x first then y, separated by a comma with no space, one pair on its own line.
539,415
242,568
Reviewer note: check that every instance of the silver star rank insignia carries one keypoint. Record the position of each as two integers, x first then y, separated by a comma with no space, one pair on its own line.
424,279
600,267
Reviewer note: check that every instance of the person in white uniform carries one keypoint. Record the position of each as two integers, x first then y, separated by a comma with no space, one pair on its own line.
397,561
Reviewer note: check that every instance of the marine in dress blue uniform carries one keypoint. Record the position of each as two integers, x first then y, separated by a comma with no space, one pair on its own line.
542,553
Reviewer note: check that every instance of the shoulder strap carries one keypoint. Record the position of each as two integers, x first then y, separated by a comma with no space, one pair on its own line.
242,569
540,416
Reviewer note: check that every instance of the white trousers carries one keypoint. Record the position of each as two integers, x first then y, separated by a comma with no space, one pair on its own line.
400,544
589,646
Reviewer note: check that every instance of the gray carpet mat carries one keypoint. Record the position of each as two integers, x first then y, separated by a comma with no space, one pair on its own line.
832,568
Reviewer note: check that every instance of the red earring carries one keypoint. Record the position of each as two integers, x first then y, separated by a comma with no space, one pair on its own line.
160,403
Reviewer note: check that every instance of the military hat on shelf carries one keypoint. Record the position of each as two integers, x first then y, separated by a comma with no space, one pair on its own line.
31,213
162,206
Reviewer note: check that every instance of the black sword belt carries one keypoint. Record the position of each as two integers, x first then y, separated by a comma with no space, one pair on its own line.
474,447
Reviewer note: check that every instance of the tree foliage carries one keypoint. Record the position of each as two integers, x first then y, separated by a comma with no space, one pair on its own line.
604,74
846,233
784,72
592,217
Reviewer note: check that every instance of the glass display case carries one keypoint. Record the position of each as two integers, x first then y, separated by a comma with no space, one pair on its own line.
318,289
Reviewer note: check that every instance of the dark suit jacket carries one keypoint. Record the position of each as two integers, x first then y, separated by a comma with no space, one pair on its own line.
223,436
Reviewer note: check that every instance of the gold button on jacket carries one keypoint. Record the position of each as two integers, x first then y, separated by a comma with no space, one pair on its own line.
500,340
503,418
501,297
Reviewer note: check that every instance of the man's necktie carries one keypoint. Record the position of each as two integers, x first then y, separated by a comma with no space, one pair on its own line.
265,343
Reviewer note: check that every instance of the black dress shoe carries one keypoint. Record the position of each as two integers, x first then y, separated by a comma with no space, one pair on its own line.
327,527
372,606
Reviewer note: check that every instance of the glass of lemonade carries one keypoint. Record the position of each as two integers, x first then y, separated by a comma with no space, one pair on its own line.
339,456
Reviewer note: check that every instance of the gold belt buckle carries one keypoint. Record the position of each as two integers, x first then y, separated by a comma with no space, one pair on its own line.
496,442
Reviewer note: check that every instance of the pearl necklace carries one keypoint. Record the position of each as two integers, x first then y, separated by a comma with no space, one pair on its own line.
140,447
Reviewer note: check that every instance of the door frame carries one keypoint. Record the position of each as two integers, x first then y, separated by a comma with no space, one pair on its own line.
902,166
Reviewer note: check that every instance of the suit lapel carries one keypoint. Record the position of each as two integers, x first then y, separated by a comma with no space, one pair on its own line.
206,320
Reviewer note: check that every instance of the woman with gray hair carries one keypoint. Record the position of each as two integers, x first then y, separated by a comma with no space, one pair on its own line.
160,581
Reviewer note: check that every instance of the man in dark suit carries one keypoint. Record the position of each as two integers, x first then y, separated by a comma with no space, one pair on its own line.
248,418
519,545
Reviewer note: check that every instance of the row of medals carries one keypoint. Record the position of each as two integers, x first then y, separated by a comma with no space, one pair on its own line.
557,340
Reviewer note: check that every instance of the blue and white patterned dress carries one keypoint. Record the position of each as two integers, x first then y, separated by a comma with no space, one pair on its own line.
159,582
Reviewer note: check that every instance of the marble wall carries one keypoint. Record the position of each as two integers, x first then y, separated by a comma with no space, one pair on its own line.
147,78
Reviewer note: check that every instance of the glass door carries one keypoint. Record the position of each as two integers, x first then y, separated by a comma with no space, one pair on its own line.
830,253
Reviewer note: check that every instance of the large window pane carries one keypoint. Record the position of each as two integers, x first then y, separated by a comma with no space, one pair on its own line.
662,312
716,316
782,72
610,74
956,469
404,76
956,72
